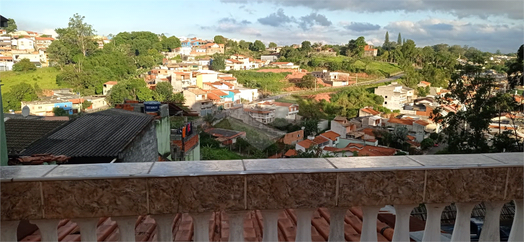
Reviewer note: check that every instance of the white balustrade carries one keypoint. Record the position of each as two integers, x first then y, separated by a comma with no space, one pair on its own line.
87,228
402,215
126,225
201,223
48,229
517,229
432,230
336,224
164,227
491,228
236,226
304,224
369,223
462,230
8,230
270,225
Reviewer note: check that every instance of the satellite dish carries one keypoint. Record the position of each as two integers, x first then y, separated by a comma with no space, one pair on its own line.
25,111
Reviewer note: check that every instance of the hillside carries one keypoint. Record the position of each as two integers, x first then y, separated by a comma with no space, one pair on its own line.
45,77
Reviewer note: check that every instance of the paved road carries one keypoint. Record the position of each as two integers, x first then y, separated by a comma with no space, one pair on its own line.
393,78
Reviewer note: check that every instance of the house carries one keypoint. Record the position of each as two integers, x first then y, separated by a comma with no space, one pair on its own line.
293,137
43,42
45,107
395,95
265,116
319,141
25,44
270,57
185,148
369,51
332,137
181,80
335,79
102,137
424,84
196,99
342,126
226,136
39,58
323,51
282,110
248,94
213,48
6,63
107,87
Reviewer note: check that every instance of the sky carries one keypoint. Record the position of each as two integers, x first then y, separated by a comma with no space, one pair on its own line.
487,25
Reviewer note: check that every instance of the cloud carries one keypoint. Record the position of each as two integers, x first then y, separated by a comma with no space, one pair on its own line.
361,26
460,8
306,22
231,25
277,19
247,10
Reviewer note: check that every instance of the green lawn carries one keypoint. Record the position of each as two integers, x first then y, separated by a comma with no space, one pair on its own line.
45,77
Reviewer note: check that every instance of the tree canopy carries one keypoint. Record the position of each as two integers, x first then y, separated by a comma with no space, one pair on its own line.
133,89
218,62
24,65
11,26
272,45
219,39
20,92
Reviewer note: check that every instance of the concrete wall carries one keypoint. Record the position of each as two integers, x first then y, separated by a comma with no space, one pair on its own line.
144,148
163,132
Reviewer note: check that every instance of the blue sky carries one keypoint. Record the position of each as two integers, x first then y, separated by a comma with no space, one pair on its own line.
488,25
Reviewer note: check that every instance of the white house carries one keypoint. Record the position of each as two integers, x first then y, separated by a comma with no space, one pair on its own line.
248,94
395,95
26,44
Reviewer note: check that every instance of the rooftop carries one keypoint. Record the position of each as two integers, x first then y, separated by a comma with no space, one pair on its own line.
20,133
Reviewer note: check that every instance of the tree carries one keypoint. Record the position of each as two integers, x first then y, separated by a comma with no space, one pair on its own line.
20,92
58,111
308,81
356,47
219,39
272,45
515,75
426,143
164,91
218,62
86,104
24,65
310,127
399,40
257,46
11,26
306,46
133,89
244,45
169,43
386,44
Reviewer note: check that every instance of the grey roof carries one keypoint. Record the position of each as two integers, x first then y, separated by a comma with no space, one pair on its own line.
100,134
20,133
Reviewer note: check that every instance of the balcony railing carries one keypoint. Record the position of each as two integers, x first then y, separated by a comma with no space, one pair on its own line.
125,191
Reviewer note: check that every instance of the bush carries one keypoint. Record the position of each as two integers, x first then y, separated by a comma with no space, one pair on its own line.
60,112
434,136
24,65
426,143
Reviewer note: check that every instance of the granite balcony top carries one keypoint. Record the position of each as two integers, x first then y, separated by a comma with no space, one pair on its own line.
258,166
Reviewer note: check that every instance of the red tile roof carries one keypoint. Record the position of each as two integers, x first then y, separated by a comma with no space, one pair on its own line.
213,96
44,38
331,135
400,121
319,140
291,152
146,228
235,61
218,92
370,111
227,78
305,143
111,83
234,91
426,83
422,122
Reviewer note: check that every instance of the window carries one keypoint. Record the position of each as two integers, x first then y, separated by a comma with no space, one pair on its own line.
385,96
385,102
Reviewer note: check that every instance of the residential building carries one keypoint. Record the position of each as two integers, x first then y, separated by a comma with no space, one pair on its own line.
108,86
293,137
322,51
43,42
335,79
185,148
39,58
225,136
25,44
424,84
270,57
101,41
332,137
6,63
113,135
395,95
370,51
342,126
213,48
282,110
248,94
265,116
284,65
45,107
196,99
21,133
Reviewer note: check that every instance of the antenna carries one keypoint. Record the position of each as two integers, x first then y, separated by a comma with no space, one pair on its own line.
25,111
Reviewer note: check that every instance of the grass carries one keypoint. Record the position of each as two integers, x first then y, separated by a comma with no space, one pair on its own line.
45,77
287,99
254,136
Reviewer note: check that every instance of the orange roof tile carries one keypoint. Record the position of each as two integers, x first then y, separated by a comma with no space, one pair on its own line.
319,140
218,92
305,143
227,78
370,111
291,152
426,83
213,96
400,121
331,135
422,122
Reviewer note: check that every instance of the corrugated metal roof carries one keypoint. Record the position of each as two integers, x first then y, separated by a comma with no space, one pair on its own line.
21,133
101,134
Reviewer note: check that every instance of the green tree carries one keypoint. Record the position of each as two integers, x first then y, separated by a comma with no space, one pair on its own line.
218,62
244,45
257,46
310,126
426,143
86,104
306,46
307,81
386,44
19,92
272,45
399,40
219,39
11,26
24,65
356,47
169,43
60,111
164,91
515,75
133,89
